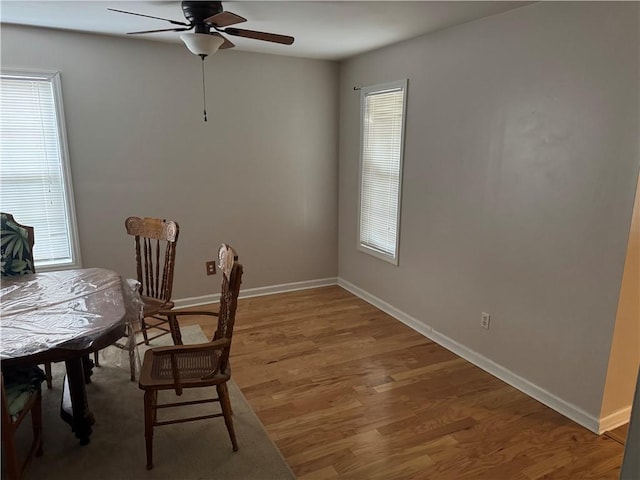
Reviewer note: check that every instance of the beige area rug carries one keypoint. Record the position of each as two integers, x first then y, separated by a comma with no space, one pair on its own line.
192,450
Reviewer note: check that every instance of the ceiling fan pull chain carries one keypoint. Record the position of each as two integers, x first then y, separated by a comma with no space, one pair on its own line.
204,93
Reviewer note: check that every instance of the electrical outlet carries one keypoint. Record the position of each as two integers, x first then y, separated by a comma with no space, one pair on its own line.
211,267
484,320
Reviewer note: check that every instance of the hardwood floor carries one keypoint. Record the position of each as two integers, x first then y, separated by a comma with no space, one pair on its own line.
346,391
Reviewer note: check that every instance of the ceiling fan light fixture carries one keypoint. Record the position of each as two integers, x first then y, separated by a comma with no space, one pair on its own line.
202,44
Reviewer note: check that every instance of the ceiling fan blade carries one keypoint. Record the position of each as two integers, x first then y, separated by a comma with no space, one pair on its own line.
267,37
224,19
173,22
163,30
227,43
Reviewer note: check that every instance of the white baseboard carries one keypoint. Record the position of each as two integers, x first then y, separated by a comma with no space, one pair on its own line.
559,405
257,292
615,419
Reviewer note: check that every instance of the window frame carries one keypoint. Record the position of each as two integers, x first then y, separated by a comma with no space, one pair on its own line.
364,91
53,77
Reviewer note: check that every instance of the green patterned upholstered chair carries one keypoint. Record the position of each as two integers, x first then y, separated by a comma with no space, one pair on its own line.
16,246
16,249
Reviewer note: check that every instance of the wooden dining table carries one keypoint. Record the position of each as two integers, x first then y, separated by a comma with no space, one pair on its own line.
64,316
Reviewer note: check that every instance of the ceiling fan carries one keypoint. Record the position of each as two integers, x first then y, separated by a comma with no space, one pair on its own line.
209,21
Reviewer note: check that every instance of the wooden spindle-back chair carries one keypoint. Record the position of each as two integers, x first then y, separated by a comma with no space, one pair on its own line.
155,247
155,243
180,367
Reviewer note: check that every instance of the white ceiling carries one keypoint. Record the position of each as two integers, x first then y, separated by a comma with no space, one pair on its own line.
324,30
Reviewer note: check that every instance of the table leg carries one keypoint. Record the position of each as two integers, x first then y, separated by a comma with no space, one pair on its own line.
75,408
87,366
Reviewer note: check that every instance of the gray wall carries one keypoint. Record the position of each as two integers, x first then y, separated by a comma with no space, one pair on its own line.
260,175
521,162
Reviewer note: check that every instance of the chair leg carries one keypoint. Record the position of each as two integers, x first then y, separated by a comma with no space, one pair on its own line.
10,459
148,426
174,326
154,417
225,403
96,360
143,327
36,423
49,378
132,358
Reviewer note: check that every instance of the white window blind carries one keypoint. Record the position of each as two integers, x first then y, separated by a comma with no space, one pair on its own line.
34,168
383,117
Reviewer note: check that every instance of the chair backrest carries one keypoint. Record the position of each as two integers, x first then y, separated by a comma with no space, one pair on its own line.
155,242
16,246
231,279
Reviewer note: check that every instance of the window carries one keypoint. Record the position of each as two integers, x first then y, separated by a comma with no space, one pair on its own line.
35,179
382,138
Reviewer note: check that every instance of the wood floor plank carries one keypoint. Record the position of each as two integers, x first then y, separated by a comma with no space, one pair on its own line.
346,391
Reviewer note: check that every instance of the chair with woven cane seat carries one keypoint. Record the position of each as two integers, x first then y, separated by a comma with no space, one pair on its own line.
155,243
180,367
21,394
16,251
155,247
